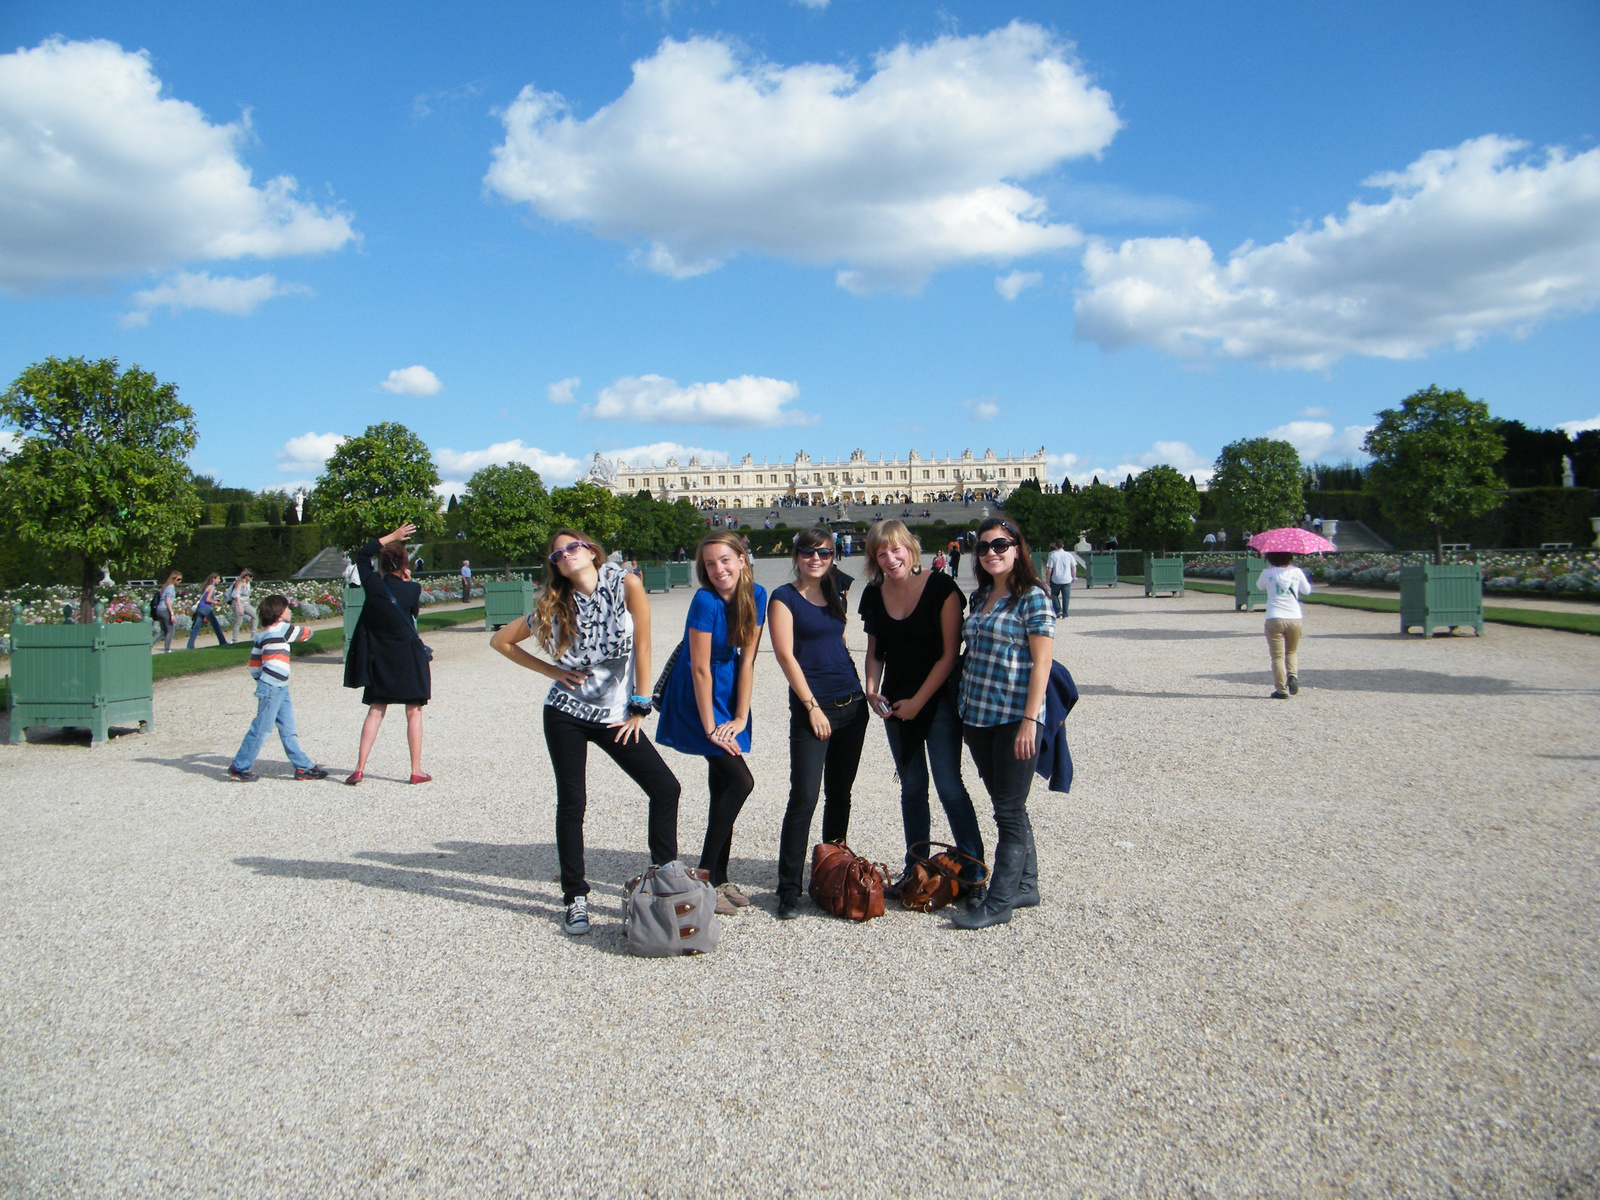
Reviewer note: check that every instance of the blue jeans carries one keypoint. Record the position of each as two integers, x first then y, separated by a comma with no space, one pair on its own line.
943,745
273,707
194,630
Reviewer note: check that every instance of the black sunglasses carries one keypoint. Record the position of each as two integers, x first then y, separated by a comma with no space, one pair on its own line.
997,546
814,552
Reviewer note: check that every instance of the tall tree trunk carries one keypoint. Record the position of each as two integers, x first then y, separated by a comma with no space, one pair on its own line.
90,580
1438,544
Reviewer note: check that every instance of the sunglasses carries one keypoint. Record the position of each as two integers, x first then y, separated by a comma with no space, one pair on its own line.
814,552
562,552
997,546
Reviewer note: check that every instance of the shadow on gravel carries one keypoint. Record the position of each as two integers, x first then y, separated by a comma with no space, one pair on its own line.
215,766
1169,635
1106,689
1408,682
1571,757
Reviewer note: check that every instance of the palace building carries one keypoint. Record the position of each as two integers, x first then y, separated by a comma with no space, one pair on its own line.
856,480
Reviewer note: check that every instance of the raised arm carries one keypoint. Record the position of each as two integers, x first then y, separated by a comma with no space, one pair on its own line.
507,640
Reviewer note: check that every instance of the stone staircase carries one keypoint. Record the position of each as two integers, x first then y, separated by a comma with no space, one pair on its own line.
1355,536
329,564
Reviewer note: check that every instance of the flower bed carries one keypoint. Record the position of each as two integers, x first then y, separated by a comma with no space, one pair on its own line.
1511,571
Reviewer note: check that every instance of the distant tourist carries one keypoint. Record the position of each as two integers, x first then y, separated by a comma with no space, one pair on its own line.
1210,541
166,610
386,657
466,580
1059,567
1284,583
206,610
239,597
270,667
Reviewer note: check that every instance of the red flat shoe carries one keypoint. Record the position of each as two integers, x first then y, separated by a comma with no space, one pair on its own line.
354,779
422,779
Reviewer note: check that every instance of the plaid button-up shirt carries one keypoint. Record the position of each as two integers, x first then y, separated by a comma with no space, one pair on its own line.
999,662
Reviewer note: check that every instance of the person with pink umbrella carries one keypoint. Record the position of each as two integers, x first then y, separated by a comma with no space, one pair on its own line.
1284,583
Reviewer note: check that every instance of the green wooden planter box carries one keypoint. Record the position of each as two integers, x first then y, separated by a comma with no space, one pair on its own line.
89,676
1038,563
354,597
1163,574
1247,591
505,601
678,574
657,578
1102,570
1433,596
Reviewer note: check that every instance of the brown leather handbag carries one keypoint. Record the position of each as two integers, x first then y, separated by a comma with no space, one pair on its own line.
845,884
933,881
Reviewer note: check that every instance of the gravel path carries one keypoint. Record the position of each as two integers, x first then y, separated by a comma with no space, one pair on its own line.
1344,945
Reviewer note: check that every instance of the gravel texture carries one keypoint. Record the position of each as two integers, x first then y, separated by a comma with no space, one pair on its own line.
1344,945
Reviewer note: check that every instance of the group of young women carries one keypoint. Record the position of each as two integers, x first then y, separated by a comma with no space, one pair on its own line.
593,620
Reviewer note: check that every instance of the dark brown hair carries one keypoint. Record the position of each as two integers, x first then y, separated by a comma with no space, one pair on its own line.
272,610
392,559
1280,558
1023,576
807,539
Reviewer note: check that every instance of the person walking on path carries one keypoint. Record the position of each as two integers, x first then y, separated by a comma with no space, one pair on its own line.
206,610
913,623
270,667
1010,635
827,710
386,657
466,581
705,706
1284,583
239,597
955,559
594,621
166,610
1061,568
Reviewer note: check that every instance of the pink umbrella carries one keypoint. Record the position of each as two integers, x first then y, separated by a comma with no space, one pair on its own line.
1290,540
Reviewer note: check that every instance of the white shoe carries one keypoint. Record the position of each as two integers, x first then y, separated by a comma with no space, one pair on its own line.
576,922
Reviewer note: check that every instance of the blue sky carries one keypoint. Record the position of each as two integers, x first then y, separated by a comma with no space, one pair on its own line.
531,232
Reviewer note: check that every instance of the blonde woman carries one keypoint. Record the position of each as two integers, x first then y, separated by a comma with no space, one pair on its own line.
913,624
594,621
705,708
166,610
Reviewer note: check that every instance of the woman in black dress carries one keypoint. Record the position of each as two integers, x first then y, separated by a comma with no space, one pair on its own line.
386,656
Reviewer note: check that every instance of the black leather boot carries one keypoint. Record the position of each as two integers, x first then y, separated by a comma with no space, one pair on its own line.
1028,885
997,905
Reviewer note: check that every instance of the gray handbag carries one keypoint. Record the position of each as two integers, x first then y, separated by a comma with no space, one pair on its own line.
671,910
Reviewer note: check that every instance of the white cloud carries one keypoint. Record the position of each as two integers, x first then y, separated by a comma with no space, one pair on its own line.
748,401
99,174
555,469
560,392
890,177
412,381
657,453
308,453
1180,456
1470,241
1318,440
201,289
8,442
819,5
1311,414
1574,428
1013,285
981,410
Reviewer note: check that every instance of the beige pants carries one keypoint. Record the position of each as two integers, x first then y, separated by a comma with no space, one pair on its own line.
1283,640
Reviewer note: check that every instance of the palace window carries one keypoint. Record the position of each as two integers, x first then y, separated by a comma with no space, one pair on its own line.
874,477
925,474
902,474
1033,472
685,481
630,483
708,480
941,474
722,480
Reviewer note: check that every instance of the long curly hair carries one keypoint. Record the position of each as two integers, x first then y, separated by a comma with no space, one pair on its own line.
742,606
556,615
1023,576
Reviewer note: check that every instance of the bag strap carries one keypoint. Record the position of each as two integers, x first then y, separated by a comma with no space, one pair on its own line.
932,864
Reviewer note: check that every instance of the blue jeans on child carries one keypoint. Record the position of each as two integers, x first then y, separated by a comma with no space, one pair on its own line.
273,707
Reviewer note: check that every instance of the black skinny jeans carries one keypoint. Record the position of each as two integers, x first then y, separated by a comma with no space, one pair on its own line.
568,739
731,784
1007,777
816,764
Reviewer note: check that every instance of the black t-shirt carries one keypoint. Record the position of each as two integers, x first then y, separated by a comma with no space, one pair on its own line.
908,649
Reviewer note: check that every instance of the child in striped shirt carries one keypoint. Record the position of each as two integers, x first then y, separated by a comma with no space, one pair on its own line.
269,667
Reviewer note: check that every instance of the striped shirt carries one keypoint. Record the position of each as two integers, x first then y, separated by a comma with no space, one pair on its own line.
269,652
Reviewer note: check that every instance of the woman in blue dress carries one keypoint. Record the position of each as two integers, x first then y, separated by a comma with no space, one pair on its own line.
705,707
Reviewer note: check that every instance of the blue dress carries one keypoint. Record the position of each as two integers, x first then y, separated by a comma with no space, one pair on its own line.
679,726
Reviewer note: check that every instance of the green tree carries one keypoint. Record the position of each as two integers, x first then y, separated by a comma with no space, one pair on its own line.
1102,511
98,469
1162,507
508,511
1258,484
590,508
374,483
1433,461
1043,519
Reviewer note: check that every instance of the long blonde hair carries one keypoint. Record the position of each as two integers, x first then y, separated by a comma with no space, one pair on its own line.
742,607
556,616
891,532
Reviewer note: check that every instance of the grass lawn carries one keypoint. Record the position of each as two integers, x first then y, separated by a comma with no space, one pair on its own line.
1537,618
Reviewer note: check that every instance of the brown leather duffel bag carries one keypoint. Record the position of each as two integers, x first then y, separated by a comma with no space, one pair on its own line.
845,884
934,881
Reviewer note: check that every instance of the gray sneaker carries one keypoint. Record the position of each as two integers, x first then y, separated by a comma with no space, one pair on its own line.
576,922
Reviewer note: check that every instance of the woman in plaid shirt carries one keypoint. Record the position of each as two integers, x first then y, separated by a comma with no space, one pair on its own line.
1010,635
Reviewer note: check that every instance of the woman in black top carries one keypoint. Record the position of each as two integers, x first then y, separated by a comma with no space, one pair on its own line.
386,657
913,621
827,712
